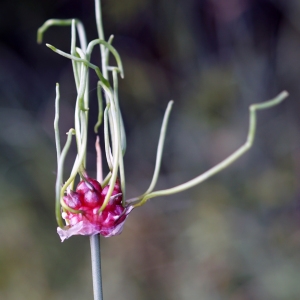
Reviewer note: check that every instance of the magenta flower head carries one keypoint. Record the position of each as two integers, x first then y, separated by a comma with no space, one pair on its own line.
89,220
91,206
94,206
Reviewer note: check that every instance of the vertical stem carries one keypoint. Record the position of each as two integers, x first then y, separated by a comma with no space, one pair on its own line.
101,36
95,239
96,266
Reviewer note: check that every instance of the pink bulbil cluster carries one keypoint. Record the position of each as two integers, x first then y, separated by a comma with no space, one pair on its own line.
88,198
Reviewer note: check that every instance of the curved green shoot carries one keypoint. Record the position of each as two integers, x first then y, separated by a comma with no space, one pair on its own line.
121,123
60,170
106,139
110,40
67,208
121,137
225,163
100,108
106,180
56,120
79,160
98,16
115,133
160,148
78,59
62,22
115,53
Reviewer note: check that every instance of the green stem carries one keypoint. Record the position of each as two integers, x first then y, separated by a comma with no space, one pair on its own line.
96,266
60,170
101,35
122,141
100,108
160,149
95,239
56,120
106,139
225,163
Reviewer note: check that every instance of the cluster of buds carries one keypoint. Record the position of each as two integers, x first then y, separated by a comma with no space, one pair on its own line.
85,216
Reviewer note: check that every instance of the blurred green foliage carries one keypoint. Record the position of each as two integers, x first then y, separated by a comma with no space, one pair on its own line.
234,237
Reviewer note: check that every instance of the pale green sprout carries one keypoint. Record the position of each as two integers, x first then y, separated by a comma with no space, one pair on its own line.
138,201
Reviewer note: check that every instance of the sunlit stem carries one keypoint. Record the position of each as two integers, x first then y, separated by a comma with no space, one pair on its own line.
100,30
95,239
116,148
83,86
225,163
60,170
107,51
67,208
61,22
56,120
78,161
86,62
106,138
99,160
107,45
115,72
75,65
121,130
160,149
96,266
100,108
106,180
114,130
82,102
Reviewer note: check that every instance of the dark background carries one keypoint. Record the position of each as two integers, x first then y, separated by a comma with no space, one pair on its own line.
236,236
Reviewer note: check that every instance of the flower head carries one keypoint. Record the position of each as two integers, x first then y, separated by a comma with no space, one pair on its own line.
88,220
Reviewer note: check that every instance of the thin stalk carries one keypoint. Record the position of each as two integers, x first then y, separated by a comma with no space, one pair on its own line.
100,108
56,120
226,162
60,171
119,122
160,149
106,139
96,266
95,239
101,35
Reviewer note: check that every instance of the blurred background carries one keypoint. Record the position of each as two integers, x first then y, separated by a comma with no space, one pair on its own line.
237,235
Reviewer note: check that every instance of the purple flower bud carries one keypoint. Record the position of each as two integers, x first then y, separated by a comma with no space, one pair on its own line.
72,199
90,189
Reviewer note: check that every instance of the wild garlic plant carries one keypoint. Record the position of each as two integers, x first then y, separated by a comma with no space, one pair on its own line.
98,206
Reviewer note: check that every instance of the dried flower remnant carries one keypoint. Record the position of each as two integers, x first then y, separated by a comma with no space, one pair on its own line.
88,200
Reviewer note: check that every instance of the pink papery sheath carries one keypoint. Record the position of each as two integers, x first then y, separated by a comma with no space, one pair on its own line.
109,226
